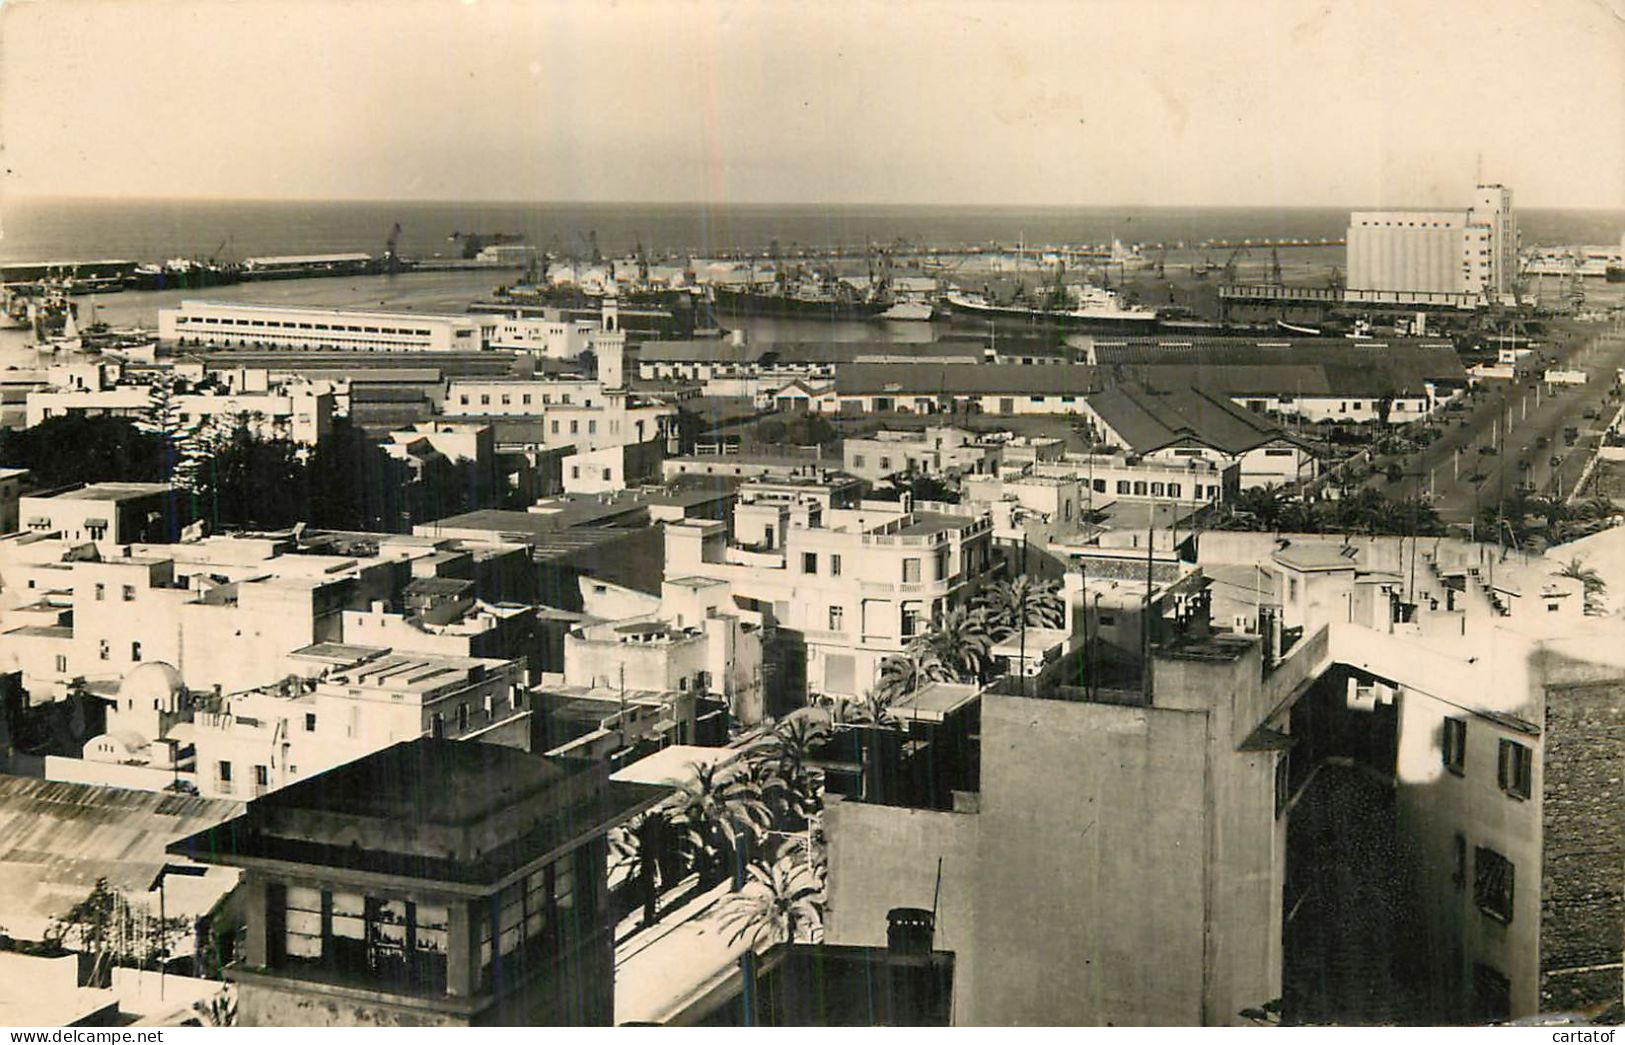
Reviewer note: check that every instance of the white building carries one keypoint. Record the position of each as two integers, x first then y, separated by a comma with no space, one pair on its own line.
856,584
691,640
297,410
253,742
938,450
115,512
289,326
1447,257
517,396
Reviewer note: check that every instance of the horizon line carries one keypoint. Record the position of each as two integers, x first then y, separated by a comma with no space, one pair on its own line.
692,203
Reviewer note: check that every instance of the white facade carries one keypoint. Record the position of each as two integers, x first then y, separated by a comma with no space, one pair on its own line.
115,512
935,451
694,642
258,741
280,326
857,584
517,397
299,411
1435,257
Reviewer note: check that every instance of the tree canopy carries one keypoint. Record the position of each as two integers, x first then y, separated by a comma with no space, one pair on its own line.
61,451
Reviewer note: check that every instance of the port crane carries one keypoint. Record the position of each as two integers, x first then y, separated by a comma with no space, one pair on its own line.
1230,263
392,257
1275,267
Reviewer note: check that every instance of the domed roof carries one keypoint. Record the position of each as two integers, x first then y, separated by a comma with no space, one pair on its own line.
152,681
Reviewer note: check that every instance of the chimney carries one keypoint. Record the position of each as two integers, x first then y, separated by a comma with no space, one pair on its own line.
910,931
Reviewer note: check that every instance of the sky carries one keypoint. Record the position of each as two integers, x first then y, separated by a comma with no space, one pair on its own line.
1021,102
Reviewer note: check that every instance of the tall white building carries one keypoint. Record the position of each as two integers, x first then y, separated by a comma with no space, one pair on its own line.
289,326
1445,257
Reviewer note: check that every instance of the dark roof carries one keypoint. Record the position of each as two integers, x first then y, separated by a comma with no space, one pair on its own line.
706,350
60,838
833,985
438,586
415,787
1148,420
1252,351
717,351
1315,368
925,379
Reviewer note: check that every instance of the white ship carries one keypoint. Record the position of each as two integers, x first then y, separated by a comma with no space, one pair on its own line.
1088,307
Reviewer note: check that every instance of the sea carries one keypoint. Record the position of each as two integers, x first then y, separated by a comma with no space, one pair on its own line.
157,229
153,230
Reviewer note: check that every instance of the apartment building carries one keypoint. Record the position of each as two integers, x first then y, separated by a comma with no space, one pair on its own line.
937,450
295,409
517,396
483,901
692,641
226,611
1379,771
851,585
1114,854
251,743
118,513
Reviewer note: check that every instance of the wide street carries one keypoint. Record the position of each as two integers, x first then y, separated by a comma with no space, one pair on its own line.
1512,432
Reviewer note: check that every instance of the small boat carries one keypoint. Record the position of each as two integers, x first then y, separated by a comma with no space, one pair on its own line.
1292,328
913,311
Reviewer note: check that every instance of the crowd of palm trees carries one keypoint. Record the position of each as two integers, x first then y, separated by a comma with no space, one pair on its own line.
751,818
1272,509
754,819
958,646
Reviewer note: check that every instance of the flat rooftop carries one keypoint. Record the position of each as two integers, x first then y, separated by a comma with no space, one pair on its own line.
454,784
415,672
927,523
317,310
107,492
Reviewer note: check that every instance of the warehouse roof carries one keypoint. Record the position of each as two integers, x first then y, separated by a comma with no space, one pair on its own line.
62,837
1298,368
992,379
1148,420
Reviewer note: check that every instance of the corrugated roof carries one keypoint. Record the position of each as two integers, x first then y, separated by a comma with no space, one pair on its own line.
926,379
1148,420
57,839
1293,368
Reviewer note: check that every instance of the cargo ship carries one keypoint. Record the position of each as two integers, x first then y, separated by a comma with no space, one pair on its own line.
1086,308
182,274
805,299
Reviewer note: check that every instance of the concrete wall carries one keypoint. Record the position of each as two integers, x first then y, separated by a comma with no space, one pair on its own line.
111,774
1582,931
881,857
1099,827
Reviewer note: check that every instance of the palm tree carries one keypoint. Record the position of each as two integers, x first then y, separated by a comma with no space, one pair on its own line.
723,813
1022,601
782,903
903,673
779,769
961,641
644,850
218,1011
1595,587
1263,504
